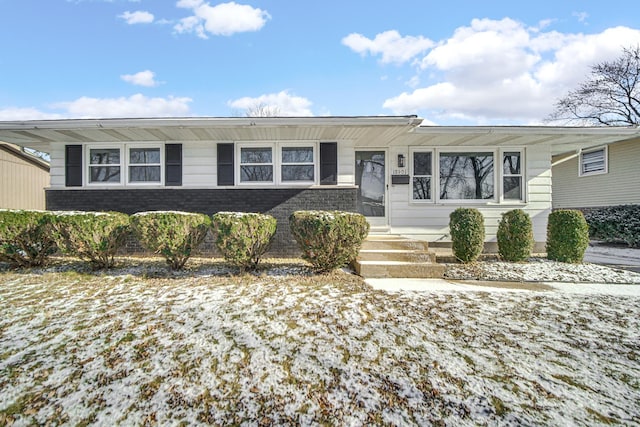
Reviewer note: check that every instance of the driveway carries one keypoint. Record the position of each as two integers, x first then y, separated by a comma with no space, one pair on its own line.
619,256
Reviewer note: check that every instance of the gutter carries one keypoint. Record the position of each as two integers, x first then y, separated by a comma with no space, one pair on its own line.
186,122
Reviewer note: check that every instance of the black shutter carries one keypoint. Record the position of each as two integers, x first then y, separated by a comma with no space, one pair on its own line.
73,165
328,163
225,164
173,165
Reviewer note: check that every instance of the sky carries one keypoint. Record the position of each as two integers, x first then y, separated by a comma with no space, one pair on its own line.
451,63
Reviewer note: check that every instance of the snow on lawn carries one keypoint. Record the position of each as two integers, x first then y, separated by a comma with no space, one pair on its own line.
127,349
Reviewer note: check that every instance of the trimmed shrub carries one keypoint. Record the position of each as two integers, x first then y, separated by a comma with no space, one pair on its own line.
515,236
328,239
25,237
466,226
174,235
91,236
243,238
615,224
567,236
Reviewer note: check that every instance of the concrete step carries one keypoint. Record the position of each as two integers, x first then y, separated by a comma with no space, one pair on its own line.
397,255
394,244
398,269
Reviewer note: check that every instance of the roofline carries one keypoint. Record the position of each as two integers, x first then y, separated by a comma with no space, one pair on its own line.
410,120
629,131
36,161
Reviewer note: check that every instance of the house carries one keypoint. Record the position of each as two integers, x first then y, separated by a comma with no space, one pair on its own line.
23,178
404,177
597,176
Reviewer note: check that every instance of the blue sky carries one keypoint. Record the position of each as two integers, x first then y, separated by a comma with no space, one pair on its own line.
452,63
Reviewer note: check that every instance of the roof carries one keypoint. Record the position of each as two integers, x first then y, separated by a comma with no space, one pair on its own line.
17,151
372,131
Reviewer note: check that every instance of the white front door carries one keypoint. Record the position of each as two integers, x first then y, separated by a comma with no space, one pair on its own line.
371,179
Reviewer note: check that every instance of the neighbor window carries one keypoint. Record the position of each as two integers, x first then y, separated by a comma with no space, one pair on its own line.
466,175
256,164
144,165
297,164
421,182
593,162
512,175
104,165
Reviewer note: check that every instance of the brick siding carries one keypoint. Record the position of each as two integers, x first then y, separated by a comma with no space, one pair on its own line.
279,203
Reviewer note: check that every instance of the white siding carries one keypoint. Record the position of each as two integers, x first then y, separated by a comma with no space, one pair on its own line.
57,165
199,164
430,221
620,186
346,163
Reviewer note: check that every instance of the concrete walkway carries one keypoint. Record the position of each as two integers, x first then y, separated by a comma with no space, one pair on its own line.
430,285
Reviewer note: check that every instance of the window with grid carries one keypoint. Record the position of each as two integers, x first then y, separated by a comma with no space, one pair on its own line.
297,164
256,164
104,165
144,165
422,174
512,182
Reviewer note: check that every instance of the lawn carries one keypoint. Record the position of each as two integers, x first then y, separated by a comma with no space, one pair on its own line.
139,346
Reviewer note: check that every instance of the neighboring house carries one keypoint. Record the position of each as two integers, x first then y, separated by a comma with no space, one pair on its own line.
23,178
606,175
405,178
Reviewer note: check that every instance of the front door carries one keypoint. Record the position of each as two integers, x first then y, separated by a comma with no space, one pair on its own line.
372,186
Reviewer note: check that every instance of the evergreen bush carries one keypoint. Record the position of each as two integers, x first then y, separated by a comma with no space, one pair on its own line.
515,236
243,238
466,226
328,239
25,237
615,224
174,235
91,236
567,236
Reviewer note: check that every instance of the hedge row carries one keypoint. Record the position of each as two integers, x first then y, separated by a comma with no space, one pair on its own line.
616,223
328,240
567,235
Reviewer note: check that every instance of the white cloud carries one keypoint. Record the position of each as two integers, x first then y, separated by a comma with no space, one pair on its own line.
143,78
136,105
285,103
393,47
86,107
223,19
14,113
137,17
504,71
581,16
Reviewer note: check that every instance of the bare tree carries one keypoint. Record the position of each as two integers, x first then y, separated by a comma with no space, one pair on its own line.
262,110
610,96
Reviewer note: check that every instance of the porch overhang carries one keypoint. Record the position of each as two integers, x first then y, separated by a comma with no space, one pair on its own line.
364,131
40,134
560,139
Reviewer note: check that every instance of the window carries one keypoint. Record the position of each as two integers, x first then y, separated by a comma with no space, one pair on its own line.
104,165
421,182
277,163
144,165
125,164
466,176
256,164
297,164
512,175
593,162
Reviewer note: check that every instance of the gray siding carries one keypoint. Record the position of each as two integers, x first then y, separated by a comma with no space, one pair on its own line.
620,186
